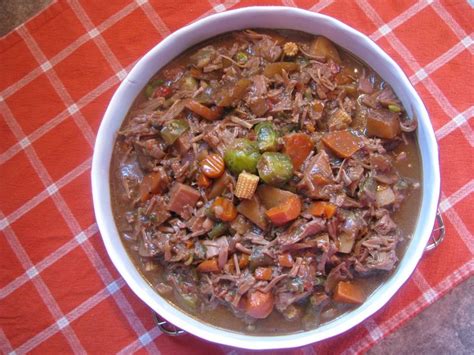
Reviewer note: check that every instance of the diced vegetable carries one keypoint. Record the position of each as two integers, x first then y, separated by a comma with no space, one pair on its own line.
394,108
258,304
383,124
275,168
244,261
263,273
254,211
210,265
153,183
384,196
273,196
272,69
241,225
246,185
203,181
173,129
241,58
345,243
259,106
339,120
210,114
189,84
285,260
290,49
348,292
241,155
267,137
322,47
218,230
181,196
219,186
224,209
342,143
322,208
297,146
236,93
212,166
285,212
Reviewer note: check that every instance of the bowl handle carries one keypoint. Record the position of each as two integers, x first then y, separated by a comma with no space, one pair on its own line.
166,327
438,233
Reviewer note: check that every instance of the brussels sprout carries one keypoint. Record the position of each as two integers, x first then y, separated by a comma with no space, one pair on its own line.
242,155
267,137
173,129
275,168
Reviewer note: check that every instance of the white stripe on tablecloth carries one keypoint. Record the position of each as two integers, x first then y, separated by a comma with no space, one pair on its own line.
154,18
66,52
58,86
77,312
463,192
43,195
320,5
96,36
49,260
400,19
5,346
42,288
456,122
450,21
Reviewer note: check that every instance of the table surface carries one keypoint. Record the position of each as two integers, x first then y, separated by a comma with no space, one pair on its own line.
444,327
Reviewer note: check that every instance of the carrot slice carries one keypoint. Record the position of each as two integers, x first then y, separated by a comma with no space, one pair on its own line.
212,166
285,212
297,146
263,273
258,304
204,111
224,209
322,208
285,260
244,260
342,143
348,292
208,266
203,181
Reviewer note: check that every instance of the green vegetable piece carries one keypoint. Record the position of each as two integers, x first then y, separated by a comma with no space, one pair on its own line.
149,90
218,230
189,84
394,108
241,155
275,169
173,129
267,137
241,58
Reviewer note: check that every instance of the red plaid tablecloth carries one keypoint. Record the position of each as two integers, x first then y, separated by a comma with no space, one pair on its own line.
58,289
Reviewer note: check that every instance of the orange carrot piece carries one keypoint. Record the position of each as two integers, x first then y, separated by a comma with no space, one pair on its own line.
212,166
224,209
348,292
342,143
285,260
203,181
285,212
263,273
258,304
204,111
208,266
322,208
151,184
297,146
244,260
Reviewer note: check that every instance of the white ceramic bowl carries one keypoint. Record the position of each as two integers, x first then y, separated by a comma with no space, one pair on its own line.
263,17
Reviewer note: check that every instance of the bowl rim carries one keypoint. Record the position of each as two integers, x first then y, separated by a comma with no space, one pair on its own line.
102,208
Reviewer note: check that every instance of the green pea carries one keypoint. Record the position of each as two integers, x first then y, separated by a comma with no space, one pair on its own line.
173,129
149,90
267,137
242,154
275,168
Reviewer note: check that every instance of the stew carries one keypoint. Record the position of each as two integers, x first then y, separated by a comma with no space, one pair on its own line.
266,181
